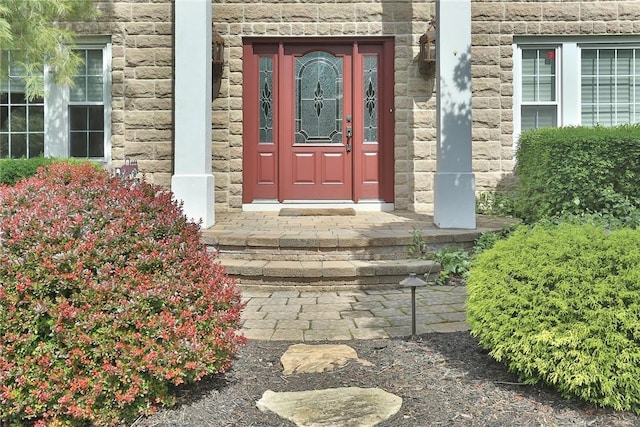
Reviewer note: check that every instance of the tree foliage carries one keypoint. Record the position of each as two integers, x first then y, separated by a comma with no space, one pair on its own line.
37,34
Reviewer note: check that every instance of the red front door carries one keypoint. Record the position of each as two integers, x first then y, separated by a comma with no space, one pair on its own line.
316,160
312,126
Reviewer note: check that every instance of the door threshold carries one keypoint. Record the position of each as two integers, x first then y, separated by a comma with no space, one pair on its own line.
275,206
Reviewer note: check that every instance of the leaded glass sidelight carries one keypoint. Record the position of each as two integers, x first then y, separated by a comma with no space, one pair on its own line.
370,99
266,99
318,98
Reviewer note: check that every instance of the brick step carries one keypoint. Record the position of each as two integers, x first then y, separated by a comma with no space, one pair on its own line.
318,274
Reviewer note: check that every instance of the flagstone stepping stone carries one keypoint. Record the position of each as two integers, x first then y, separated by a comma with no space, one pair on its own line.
339,407
304,358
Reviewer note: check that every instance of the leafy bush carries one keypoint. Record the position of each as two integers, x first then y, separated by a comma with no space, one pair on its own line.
618,212
576,170
13,170
453,262
498,203
488,239
561,305
108,299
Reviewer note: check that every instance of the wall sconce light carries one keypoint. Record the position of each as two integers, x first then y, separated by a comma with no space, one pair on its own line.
427,57
217,60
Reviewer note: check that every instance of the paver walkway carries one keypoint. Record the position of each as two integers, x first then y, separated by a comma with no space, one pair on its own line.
351,314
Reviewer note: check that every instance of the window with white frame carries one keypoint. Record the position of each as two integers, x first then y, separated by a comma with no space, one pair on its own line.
21,118
575,81
69,121
610,84
539,107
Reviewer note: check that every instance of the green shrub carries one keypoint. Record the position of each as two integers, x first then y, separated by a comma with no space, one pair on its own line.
13,170
108,298
576,170
498,203
617,211
488,239
561,305
454,262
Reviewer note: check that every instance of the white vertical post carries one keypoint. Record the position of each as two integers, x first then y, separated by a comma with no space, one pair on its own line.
454,186
192,182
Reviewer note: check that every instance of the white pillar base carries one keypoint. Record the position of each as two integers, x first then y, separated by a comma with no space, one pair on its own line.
196,194
454,203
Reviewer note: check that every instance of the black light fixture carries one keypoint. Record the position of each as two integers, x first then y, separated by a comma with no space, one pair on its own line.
217,60
413,282
427,57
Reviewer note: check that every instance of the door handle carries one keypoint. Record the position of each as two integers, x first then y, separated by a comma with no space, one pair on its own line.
349,135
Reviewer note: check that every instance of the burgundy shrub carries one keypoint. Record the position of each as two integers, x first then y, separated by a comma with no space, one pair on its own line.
107,299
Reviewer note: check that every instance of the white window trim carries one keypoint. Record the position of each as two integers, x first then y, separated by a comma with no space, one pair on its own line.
568,72
517,83
56,106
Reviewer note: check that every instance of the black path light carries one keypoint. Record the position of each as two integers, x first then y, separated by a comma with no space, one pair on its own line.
413,282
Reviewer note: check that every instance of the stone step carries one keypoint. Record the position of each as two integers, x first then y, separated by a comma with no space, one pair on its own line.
339,238
318,274
322,254
336,245
370,249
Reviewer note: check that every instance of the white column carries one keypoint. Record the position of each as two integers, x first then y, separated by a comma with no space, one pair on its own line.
192,182
454,188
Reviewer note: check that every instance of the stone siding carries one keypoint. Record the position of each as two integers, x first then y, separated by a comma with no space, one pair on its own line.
494,24
414,102
142,75
142,82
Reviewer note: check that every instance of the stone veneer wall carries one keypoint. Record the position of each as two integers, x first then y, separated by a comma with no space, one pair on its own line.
494,24
414,105
142,75
142,82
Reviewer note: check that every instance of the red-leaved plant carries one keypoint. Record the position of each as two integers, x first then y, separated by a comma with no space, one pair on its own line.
107,298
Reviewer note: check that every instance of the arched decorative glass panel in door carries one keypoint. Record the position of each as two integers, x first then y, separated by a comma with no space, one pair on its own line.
318,99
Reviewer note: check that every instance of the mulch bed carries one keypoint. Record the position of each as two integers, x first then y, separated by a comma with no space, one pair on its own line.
443,379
